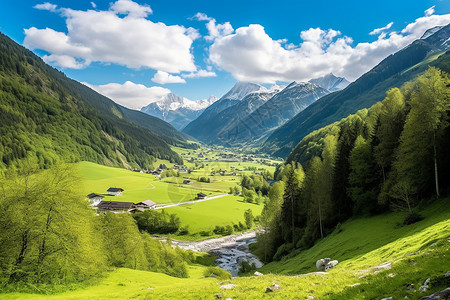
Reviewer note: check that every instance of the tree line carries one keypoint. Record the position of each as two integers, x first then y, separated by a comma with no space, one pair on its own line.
388,157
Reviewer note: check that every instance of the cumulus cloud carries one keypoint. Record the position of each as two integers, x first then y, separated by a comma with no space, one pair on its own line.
200,74
377,31
250,54
215,30
121,35
130,94
162,77
46,6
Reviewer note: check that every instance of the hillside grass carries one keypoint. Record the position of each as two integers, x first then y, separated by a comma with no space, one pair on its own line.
417,252
204,216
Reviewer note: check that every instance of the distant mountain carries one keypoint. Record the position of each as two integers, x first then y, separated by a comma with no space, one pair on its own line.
370,88
48,117
176,110
200,128
331,82
275,112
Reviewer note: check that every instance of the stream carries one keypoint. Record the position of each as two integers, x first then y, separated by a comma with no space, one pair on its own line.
231,250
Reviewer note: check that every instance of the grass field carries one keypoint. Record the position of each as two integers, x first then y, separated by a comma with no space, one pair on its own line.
417,252
203,216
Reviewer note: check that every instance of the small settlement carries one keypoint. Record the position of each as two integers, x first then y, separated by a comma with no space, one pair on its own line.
96,201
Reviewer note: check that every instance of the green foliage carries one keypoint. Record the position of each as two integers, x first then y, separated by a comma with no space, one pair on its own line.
153,221
249,218
217,272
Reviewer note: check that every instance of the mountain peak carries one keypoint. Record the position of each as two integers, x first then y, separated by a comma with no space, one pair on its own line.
242,89
331,82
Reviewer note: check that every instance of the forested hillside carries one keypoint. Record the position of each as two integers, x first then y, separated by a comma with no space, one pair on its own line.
391,156
48,117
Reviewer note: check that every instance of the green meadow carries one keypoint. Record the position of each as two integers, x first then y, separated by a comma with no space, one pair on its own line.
203,216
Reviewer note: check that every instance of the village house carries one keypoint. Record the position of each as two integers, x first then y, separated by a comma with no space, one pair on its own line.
201,196
115,191
146,204
187,182
94,199
105,206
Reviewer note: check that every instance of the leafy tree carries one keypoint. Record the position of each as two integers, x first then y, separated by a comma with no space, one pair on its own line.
249,218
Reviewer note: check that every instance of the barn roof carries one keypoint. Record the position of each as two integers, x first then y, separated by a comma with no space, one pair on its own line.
115,205
93,195
147,202
114,190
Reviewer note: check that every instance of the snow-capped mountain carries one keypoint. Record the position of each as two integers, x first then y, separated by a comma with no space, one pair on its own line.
431,31
331,82
176,110
242,89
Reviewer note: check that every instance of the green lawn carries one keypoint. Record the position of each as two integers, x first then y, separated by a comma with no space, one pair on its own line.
417,252
221,211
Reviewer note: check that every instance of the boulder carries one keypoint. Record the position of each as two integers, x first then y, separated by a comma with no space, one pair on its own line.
258,273
331,264
273,288
228,286
445,294
447,274
325,264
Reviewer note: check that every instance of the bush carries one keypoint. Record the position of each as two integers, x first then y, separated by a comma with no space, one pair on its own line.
184,230
412,218
246,267
217,272
282,251
205,233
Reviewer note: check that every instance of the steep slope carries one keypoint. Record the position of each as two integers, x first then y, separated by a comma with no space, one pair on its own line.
364,92
200,128
48,117
331,82
275,112
176,110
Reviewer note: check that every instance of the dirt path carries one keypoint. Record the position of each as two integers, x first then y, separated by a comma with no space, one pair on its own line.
191,202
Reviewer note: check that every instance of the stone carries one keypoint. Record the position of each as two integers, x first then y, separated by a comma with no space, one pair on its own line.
362,277
447,274
383,266
355,284
218,296
311,297
391,275
325,264
331,264
258,273
423,288
445,294
387,298
273,288
228,286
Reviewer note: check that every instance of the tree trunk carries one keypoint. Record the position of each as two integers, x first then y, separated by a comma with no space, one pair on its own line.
436,179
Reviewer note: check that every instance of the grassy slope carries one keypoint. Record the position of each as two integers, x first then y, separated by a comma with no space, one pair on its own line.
417,252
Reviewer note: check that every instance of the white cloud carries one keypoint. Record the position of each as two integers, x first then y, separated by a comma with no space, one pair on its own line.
162,77
46,6
130,94
214,30
200,74
429,11
121,35
250,54
380,30
93,5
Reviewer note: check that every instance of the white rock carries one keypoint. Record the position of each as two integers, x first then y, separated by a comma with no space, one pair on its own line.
258,273
447,274
228,286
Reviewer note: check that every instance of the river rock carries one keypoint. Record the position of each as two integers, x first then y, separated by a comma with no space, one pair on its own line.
445,294
273,288
228,286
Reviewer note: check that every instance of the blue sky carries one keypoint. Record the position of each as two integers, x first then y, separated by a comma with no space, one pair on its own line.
137,51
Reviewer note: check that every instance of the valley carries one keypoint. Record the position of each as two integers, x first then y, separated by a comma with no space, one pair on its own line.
321,170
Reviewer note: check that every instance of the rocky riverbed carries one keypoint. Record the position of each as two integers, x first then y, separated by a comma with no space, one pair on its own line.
231,250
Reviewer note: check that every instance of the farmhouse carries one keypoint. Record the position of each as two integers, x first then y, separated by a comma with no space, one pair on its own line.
94,199
114,206
146,204
115,191
187,182
201,196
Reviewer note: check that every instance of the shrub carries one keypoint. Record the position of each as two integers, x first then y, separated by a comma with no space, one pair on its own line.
217,272
412,217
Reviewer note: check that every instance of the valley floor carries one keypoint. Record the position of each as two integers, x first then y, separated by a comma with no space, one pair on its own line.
378,258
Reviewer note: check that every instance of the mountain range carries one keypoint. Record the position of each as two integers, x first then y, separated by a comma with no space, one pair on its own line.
176,110
370,88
